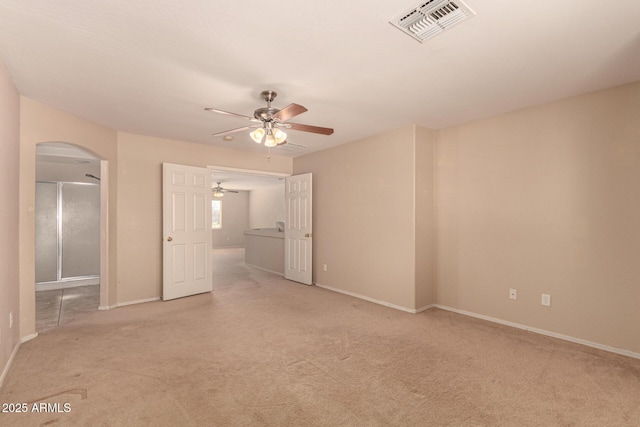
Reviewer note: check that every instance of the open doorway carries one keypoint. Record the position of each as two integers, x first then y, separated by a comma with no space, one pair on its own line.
251,205
69,230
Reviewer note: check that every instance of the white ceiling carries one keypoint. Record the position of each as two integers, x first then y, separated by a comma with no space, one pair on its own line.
150,66
57,161
231,180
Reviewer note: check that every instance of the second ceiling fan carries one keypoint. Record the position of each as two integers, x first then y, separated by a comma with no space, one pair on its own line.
218,191
270,122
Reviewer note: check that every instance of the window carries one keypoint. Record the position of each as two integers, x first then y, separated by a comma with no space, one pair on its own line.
216,214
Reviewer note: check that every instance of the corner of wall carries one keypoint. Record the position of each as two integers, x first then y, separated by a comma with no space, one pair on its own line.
10,327
542,200
347,216
424,214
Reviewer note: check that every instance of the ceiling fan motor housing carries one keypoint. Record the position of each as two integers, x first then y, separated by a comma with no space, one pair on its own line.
265,114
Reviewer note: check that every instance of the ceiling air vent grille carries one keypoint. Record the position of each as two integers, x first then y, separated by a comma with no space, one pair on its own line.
432,17
290,146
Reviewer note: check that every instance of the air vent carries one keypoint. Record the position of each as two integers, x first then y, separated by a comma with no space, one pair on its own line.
289,146
432,17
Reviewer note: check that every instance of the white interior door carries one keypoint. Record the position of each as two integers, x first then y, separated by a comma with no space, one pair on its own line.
298,229
186,207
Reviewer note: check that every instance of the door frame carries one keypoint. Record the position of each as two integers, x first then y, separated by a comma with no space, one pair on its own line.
248,171
104,226
252,172
104,236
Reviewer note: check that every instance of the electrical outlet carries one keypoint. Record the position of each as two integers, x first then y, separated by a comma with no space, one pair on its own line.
324,267
546,300
11,320
513,294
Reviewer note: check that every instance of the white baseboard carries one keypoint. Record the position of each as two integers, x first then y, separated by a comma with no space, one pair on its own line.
264,269
490,319
5,371
139,301
126,303
64,284
543,332
23,340
425,308
373,300
28,338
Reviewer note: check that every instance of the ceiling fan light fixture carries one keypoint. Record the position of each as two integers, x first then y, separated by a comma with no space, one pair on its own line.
280,136
257,135
270,140
271,119
218,193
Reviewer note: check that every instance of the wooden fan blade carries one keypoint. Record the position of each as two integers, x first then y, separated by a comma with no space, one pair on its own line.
231,114
309,128
226,132
289,111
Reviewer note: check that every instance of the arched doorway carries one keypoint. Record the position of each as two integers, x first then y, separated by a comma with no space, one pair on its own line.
70,234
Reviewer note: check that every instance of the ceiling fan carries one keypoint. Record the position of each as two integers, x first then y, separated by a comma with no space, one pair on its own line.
219,191
270,122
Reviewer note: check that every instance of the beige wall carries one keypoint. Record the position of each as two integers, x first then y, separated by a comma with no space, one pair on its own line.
140,161
424,217
545,200
235,220
542,200
266,206
363,216
9,218
134,205
41,123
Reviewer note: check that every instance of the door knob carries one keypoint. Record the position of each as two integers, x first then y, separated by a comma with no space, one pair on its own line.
308,235
169,239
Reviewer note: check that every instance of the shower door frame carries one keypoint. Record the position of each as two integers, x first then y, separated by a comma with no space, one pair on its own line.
64,282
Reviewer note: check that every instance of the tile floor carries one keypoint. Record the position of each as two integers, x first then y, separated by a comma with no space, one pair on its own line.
53,308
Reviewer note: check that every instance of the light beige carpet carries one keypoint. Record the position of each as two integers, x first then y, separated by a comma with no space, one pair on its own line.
264,351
